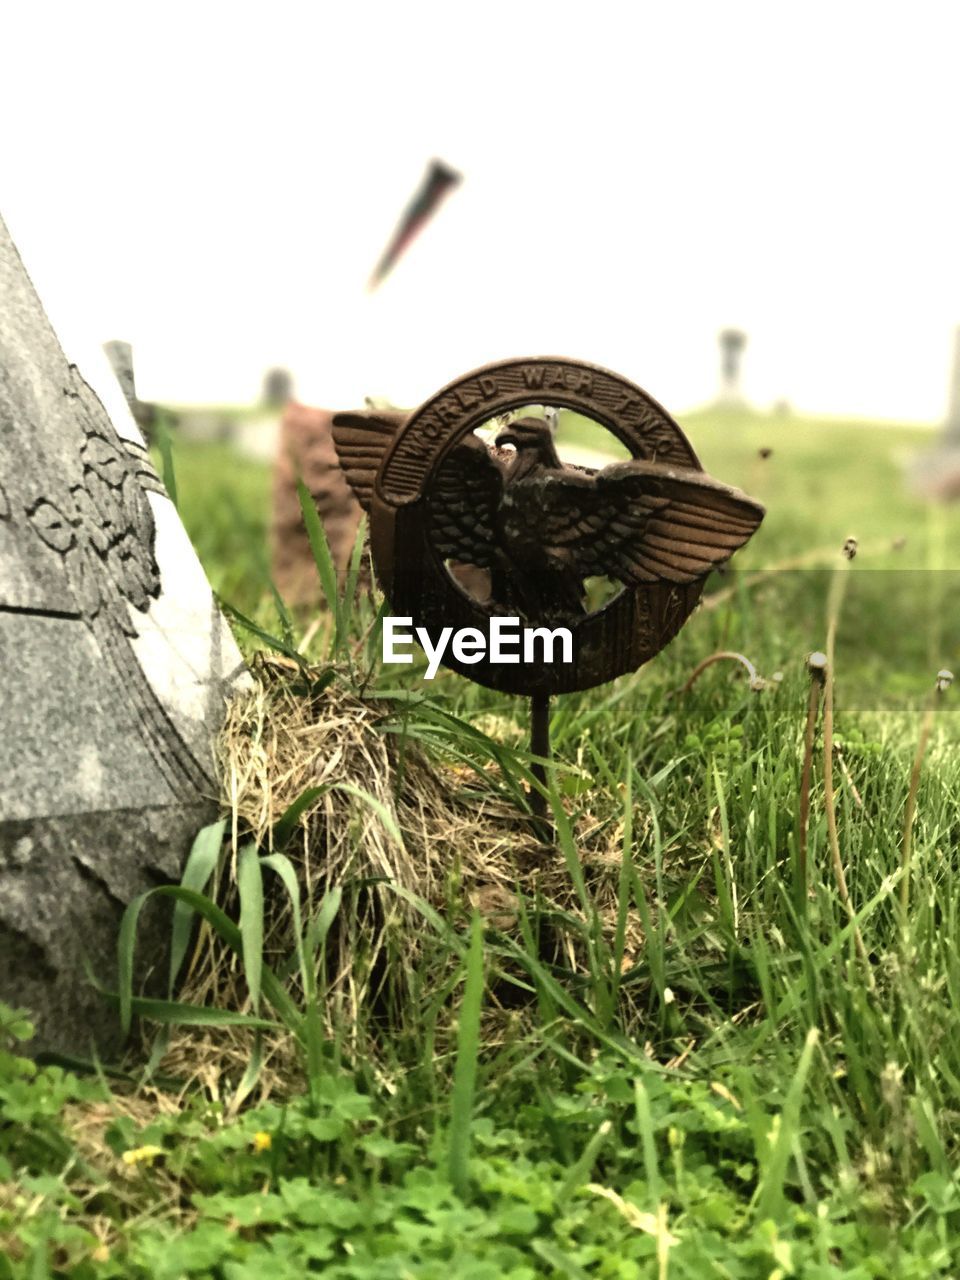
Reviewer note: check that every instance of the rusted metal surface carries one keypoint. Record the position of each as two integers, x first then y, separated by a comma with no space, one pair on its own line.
535,529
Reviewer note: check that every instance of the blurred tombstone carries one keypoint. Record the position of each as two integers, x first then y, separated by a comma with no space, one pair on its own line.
305,451
277,388
120,355
732,344
202,424
936,474
115,666
951,428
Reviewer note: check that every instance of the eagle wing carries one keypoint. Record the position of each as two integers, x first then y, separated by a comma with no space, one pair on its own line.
463,501
361,439
643,522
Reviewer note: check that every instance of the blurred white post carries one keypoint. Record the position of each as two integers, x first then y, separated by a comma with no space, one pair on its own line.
732,343
936,473
951,428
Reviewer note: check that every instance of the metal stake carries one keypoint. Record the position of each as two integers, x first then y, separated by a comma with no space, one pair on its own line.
540,746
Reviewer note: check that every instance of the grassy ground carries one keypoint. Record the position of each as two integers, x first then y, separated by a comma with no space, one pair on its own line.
671,1047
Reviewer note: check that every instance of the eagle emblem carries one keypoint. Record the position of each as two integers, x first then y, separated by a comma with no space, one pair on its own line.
542,527
468,523
446,504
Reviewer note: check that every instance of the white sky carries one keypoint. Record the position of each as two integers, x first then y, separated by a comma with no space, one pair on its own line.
214,181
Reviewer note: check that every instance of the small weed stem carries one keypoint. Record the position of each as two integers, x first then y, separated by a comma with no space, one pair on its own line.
540,746
757,681
816,665
838,589
944,679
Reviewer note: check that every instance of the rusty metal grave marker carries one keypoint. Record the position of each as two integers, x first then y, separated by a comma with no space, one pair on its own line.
439,497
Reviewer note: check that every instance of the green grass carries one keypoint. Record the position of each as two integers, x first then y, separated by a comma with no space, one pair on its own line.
712,1083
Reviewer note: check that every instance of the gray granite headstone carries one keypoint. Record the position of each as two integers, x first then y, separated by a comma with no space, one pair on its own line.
115,666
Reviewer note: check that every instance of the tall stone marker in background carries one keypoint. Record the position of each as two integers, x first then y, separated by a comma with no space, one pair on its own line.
951,430
120,355
936,473
305,450
277,387
115,666
732,344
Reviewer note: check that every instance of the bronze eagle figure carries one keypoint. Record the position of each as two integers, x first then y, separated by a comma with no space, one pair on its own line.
540,527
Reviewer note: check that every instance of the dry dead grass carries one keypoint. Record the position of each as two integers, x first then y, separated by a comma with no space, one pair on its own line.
459,846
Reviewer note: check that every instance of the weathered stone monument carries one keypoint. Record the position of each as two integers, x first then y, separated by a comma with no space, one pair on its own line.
732,344
114,669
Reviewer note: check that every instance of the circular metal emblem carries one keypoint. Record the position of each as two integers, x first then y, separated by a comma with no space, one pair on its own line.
446,505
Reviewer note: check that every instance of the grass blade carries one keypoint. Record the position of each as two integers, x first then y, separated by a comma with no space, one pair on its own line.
382,812
283,867
271,641
554,1257
625,879
164,441
250,1076
286,824
644,1119
250,887
582,1167
312,1022
323,560
273,989
200,865
465,1071
178,1013
770,1190
126,944
353,575
319,926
